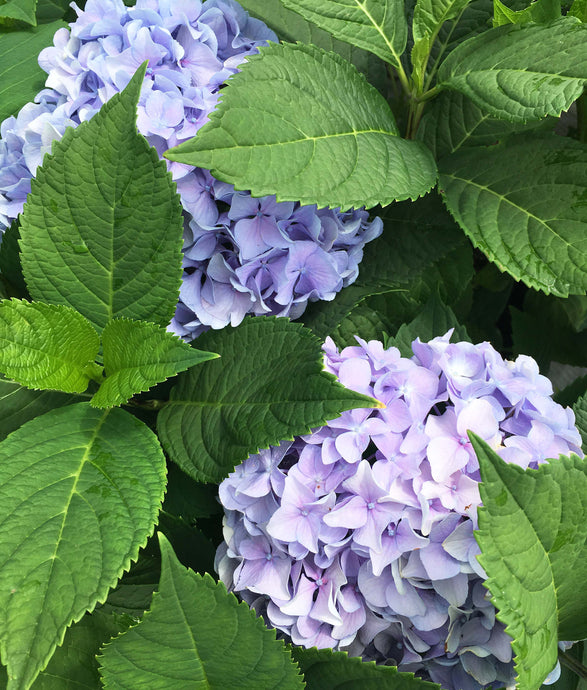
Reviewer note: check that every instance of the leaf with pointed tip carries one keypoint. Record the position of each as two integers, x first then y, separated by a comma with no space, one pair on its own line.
102,230
19,404
534,549
21,10
305,125
179,644
523,205
379,26
269,385
138,355
430,15
325,669
80,490
521,72
45,346
21,78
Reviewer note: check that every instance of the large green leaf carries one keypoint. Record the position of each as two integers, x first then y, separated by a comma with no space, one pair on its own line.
524,206
102,230
269,385
80,490
454,121
21,10
292,27
20,75
304,124
324,669
534,549
521,72
580,410
47,346
197,636
379,26
19,404
138,355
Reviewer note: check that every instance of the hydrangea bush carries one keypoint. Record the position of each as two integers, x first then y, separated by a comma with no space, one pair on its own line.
360,535
241,255
240,289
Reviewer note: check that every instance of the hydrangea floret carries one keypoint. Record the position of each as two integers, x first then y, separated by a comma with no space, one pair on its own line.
359,536
241,255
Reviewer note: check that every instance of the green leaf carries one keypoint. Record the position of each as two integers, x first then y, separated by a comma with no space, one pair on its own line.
524,206
539,11
435,319
80,493
545,331
454,121
521,72
379,26
21,10
179,644
138,355
10,267
50,10
363,321
20,75
325,669
579,10
269,385
47,346
580,410
292,27
430,15
533,542
19,404
295,112
102,229
134,591
74,665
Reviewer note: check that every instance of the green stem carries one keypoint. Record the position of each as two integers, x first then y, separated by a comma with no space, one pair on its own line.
573,664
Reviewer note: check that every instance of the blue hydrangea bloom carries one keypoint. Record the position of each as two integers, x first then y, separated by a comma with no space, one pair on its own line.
242,255
359,536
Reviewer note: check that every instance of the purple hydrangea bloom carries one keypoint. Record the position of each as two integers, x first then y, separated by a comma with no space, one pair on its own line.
366,524
242,255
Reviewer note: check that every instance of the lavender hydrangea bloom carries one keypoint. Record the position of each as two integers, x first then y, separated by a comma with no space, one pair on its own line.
241,255
367,523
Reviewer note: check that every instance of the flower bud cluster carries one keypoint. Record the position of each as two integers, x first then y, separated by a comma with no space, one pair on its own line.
359,536
242,255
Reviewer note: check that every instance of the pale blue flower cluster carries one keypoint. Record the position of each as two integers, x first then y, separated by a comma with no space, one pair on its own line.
242,255
359,536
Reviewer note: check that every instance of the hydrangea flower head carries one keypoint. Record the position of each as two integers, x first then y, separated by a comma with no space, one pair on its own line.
242,255
366,524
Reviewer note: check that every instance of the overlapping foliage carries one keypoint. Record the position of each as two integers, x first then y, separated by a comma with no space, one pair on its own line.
461,120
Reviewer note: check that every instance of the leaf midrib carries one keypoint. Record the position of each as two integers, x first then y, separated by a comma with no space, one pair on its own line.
73,491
